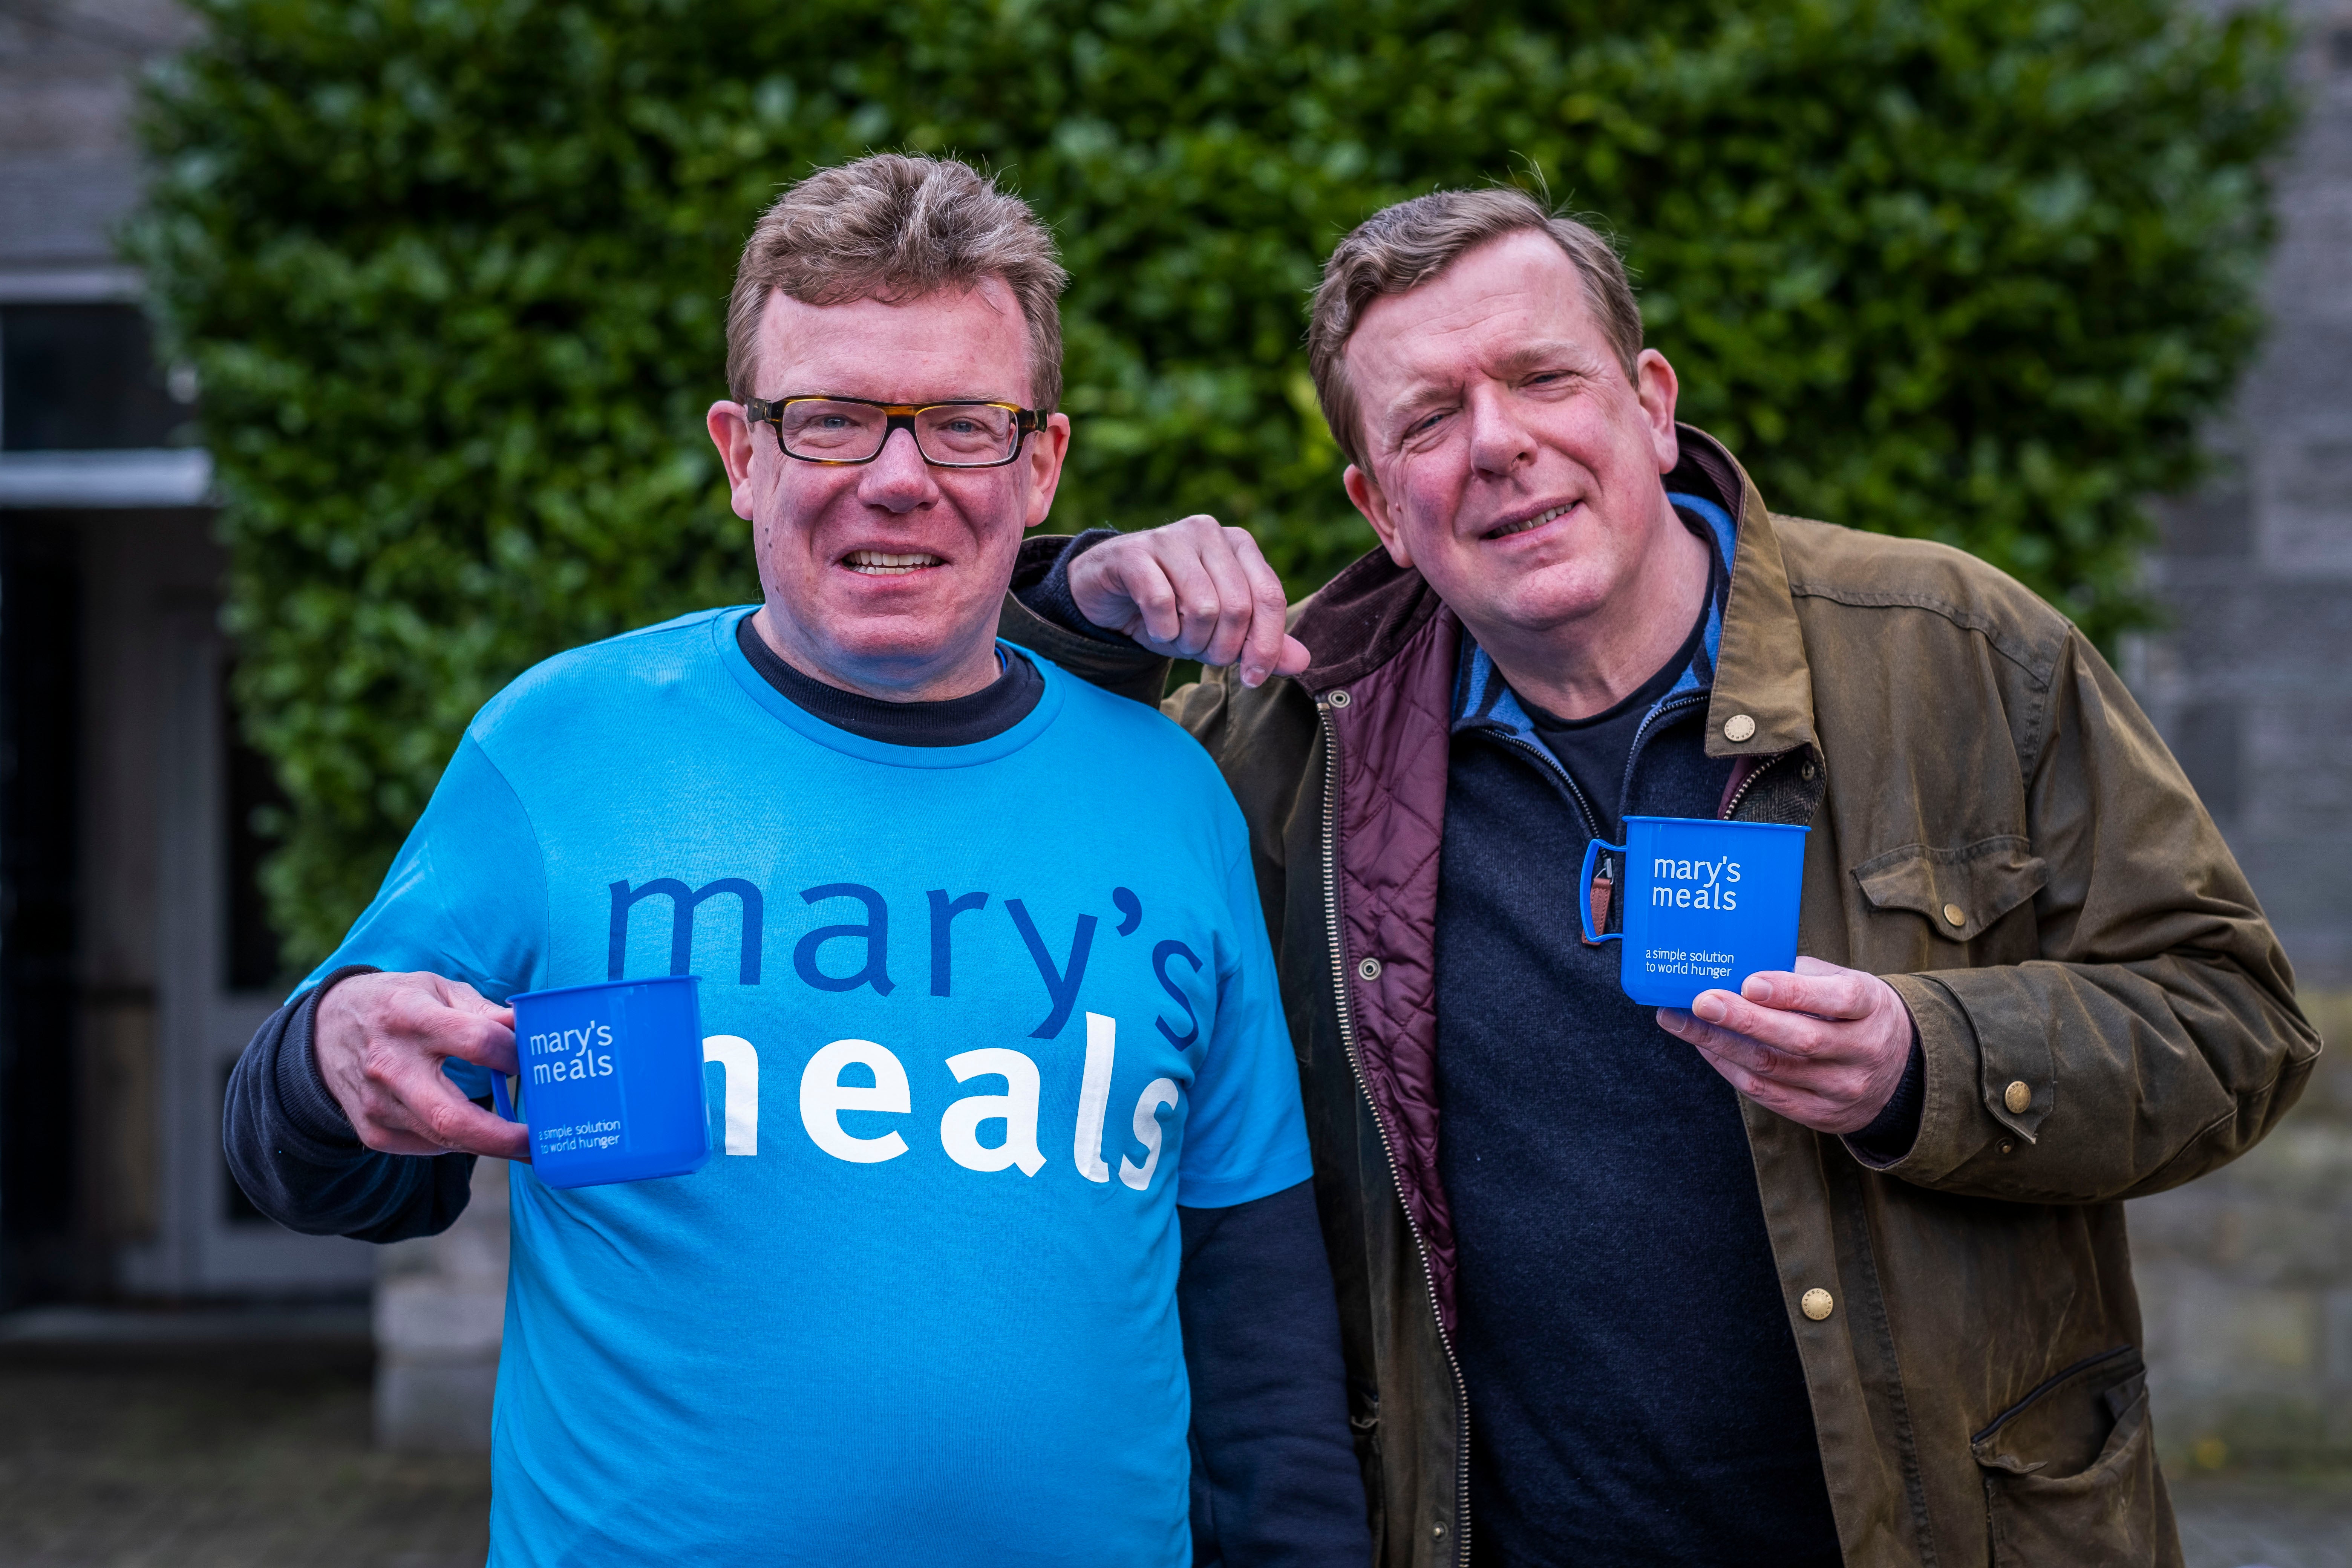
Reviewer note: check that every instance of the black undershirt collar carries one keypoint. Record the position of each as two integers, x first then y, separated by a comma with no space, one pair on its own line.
957,721
1594,750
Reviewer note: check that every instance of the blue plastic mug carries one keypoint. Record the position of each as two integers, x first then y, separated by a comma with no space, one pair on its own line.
611,1080
1707,904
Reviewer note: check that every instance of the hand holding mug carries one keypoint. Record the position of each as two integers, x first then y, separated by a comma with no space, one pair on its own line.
1823,1047
380,1041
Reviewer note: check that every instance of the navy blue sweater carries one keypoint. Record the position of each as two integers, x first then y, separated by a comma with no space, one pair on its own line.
1635,1388
1274,1480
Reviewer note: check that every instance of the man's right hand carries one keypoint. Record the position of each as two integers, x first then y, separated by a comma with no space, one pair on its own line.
1192,589
380,1041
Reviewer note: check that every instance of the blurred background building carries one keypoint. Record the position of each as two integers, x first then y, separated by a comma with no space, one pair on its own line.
135,959
2247,1275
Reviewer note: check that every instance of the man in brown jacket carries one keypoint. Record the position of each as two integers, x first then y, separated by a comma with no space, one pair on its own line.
1842,1276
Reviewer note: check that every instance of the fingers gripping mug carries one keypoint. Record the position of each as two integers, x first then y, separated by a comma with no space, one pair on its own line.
1707,904
610,1078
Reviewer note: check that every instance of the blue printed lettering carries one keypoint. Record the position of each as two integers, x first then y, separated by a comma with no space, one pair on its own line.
1061,985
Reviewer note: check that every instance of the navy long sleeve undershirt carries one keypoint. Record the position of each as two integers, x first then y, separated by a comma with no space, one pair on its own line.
1275,1477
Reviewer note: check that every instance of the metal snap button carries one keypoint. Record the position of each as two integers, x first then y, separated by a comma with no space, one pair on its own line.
1738,727
2017,1098
1955,916
1339,698
1370,969
1816,1303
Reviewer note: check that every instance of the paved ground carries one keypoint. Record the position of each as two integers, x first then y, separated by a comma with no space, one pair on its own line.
239,1456
225,1458
2245,1522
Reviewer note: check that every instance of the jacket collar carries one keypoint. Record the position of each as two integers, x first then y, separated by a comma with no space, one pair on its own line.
1483,700
1366,615
1760,671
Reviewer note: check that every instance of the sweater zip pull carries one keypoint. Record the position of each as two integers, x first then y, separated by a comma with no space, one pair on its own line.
1604,883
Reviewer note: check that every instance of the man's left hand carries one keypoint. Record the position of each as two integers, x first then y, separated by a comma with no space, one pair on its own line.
1191,589
1824,1046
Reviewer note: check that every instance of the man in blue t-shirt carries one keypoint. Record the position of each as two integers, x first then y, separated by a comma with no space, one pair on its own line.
1011,1232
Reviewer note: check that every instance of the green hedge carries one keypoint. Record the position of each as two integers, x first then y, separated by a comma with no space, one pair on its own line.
453,273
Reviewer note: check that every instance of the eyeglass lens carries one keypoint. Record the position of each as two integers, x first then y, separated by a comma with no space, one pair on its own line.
945,433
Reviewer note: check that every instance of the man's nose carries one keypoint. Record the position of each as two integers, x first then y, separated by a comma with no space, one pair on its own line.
1499,443
899,480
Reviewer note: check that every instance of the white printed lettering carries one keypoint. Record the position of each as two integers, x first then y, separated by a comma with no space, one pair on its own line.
1160,1091
738,1070
824,1096
1094,1096
959,1128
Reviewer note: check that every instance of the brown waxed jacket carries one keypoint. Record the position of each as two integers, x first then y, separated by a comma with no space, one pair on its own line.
1997,829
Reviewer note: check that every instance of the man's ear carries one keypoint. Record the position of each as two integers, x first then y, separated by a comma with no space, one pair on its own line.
732,434
1048,448
1365,491
1656,387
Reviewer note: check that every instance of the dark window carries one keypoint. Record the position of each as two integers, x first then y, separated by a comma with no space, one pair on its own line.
40,681
84,378
251,794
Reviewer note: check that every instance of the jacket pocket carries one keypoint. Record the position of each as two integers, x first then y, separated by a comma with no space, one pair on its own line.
2070,1472
1959,892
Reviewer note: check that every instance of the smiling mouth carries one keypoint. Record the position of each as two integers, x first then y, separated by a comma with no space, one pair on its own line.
886,564
1525,524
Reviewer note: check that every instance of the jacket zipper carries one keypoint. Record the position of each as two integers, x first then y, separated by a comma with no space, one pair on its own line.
1363,1087
1542,755
1667,708
1766,766
1575,792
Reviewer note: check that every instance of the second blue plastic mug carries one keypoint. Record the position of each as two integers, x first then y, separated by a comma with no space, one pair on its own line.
611,1080
1707,904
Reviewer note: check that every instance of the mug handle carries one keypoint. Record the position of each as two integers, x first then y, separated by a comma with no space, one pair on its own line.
1584,892
499,1097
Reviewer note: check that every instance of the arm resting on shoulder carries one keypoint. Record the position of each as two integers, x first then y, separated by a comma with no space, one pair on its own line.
1274,1480
2158,1037
1039,615
293,1150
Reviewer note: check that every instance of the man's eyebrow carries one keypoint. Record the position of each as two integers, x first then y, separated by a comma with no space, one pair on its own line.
1558,354
1424,395
1562,354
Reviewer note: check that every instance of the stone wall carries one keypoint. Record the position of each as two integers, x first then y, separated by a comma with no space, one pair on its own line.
440,1308
68,169
2246,1275
2246,1278
2251,682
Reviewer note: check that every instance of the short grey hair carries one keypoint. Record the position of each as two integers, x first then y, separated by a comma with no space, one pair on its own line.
897,226
1405,246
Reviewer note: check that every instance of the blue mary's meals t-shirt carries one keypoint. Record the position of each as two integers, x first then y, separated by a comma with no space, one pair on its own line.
940,1335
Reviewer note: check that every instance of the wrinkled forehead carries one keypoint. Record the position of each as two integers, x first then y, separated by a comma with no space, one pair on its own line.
957,342
1498,308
